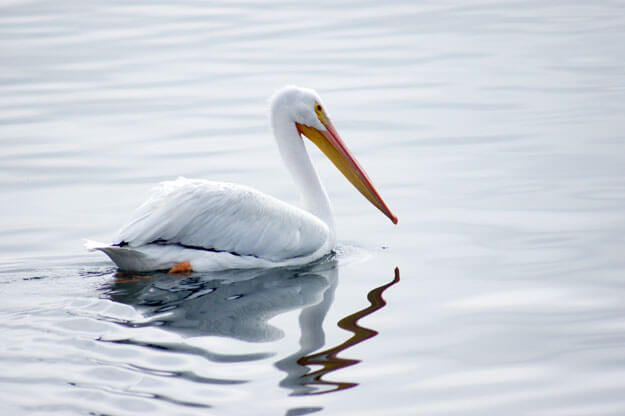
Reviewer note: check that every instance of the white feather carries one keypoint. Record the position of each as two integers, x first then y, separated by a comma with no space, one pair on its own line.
224,217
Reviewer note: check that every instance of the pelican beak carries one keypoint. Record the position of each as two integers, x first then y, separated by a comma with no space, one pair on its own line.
331,144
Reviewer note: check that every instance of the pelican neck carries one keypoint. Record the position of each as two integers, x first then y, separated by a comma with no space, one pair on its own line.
313,195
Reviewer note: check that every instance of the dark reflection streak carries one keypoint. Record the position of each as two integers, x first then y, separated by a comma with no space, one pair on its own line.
187,349
134,393
186,375
328,359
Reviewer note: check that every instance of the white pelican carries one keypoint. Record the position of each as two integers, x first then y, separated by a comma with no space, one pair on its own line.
194,224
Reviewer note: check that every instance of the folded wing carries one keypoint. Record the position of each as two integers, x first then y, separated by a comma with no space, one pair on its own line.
223,217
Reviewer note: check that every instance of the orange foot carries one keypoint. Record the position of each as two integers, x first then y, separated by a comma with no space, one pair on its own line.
183,267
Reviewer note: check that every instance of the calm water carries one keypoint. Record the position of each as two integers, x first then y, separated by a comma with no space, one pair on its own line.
495,131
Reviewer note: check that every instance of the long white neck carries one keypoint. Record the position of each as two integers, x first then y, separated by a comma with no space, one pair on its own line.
293,151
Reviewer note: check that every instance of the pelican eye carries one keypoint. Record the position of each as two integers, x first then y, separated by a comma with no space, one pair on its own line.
321,114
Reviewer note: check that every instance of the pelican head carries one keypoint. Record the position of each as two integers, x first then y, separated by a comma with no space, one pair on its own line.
304,109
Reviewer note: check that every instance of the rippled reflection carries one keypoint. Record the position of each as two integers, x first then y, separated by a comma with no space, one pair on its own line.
301,379
239,303
233,303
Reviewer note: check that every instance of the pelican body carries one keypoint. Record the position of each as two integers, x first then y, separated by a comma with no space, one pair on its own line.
199,225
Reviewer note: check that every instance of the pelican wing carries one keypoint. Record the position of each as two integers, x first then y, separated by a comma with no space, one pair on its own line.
223,217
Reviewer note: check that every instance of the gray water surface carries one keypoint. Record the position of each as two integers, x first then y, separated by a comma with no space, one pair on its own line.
494,130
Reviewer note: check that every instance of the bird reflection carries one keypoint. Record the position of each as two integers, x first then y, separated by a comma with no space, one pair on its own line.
239,303
232,303
301,380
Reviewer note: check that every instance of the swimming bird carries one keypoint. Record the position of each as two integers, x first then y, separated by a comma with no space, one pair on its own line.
199,225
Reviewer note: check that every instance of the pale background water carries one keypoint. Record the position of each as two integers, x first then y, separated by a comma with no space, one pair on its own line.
494,129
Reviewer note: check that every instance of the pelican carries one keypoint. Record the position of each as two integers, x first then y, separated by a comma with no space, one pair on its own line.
199,225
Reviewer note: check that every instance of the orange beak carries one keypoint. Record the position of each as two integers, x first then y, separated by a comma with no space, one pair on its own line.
330,143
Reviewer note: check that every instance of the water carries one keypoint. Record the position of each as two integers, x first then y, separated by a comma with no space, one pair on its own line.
494,130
